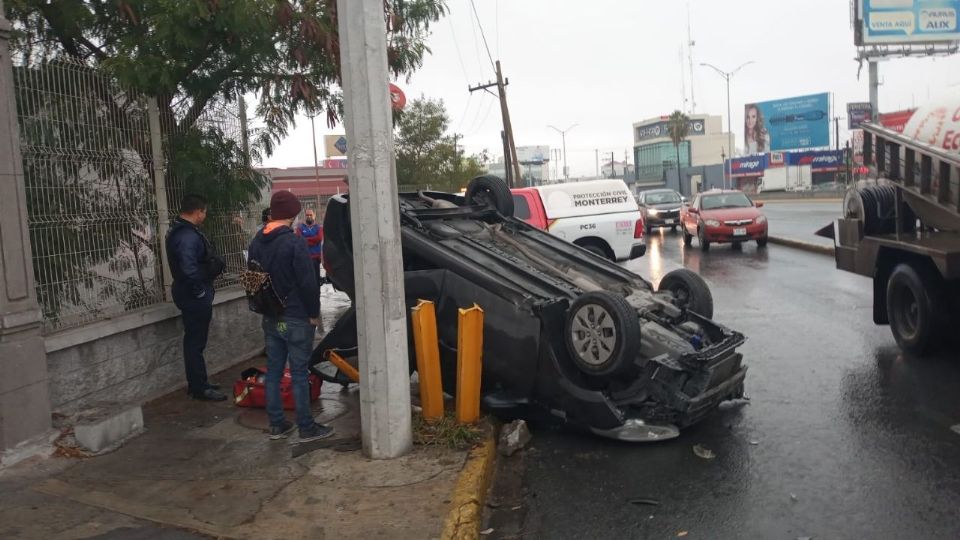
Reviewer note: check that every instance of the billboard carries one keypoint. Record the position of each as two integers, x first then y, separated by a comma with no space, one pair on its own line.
858,113
819,161
907,21
787,124
657,130
533,155
336,145
748,166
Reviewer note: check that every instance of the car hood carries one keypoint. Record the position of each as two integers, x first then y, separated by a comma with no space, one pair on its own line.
724,214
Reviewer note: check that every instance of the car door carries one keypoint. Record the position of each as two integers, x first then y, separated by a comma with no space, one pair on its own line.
690,219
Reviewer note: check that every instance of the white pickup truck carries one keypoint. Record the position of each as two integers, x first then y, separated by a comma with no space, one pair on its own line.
600,216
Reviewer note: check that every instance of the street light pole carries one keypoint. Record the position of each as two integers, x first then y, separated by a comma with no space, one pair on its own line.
727,75
563,137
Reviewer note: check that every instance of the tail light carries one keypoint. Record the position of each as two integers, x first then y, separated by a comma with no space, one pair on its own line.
638,229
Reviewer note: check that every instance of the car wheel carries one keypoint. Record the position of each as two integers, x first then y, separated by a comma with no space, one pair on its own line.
673,228
762,242
914,308
491,191
702,237
689,291
602,333
687,237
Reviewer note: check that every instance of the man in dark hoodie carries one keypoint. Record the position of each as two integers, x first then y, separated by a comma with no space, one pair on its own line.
284,256
194,265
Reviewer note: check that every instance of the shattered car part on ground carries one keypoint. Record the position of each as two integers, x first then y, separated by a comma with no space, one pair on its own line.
566,332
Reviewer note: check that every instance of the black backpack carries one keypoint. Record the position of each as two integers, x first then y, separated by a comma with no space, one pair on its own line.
262,297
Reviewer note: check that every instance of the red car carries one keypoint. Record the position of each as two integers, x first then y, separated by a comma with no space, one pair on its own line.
723,217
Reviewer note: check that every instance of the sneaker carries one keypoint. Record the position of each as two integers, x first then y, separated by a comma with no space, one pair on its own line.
282,431
314,433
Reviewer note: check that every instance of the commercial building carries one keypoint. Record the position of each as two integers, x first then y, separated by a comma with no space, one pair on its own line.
313,186
654,154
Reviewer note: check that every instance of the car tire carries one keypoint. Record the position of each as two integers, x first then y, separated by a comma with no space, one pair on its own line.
704,243
762,242
915,308
673,228
492,191
689,291
602,333
687,237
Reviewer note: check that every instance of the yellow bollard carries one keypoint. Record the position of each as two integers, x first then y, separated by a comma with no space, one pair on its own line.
469,364
424,318
344,366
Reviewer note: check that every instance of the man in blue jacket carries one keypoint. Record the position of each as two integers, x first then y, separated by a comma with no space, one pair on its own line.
289,338
194,265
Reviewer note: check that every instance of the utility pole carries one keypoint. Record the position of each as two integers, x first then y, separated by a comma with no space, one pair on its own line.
385,416
510,149
836,131
507,169
316,162
874,91
563,137
613,168
727,75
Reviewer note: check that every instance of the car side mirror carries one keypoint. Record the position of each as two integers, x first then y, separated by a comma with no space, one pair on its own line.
693,211
758,204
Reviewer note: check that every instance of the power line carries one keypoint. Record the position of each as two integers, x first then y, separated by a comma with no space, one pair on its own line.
482,34
476,47
456,45
463,115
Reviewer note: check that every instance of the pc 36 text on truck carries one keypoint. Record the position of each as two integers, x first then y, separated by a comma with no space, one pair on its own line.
903,229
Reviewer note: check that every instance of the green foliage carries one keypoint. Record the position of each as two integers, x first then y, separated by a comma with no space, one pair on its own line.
189,52
426,154
678,126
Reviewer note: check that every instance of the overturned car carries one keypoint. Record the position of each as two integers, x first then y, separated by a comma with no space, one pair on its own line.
566,332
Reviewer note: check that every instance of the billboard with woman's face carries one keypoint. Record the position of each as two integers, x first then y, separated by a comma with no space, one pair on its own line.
787,124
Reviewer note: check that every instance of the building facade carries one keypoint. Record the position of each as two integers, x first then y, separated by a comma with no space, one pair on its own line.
654,152
313,186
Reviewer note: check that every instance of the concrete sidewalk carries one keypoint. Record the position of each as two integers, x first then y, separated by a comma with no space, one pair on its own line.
208,470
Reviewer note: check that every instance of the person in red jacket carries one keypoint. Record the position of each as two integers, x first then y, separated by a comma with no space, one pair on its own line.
312,232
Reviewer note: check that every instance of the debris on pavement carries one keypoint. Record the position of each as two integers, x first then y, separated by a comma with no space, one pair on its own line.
703,452
485,532
754,443
793,497
682,533
644,501
514,436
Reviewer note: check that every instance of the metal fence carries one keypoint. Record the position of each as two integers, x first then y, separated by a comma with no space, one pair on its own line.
92,214
91,186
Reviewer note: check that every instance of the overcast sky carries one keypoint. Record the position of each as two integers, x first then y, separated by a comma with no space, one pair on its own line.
606,64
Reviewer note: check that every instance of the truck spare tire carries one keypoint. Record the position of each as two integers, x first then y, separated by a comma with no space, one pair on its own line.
602,333
491,191
689,291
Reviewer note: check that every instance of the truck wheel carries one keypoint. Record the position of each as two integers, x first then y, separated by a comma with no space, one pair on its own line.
689,291
491,191
595,247
602,333
915,309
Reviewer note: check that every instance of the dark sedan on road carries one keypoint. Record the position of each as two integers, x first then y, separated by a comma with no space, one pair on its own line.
723,217
567,333
660,208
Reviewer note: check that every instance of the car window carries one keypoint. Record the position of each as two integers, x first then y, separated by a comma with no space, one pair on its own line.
521,210
662,198
726,200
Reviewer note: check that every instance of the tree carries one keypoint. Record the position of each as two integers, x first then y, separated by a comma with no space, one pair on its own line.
678,126
426,154
189,53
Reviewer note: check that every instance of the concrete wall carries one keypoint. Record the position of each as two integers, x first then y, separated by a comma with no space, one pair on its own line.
138,357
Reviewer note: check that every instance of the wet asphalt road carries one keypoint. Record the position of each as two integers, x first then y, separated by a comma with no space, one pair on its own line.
799,220
844,437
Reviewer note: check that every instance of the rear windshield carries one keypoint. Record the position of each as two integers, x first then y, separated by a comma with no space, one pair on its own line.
665,197
521,210
725,200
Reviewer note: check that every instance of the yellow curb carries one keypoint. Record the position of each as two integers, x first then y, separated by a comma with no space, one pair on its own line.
470,492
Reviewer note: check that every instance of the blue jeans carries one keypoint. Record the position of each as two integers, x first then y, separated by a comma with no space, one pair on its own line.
289,340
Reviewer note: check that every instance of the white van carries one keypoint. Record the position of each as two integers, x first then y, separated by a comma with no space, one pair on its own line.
598,215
